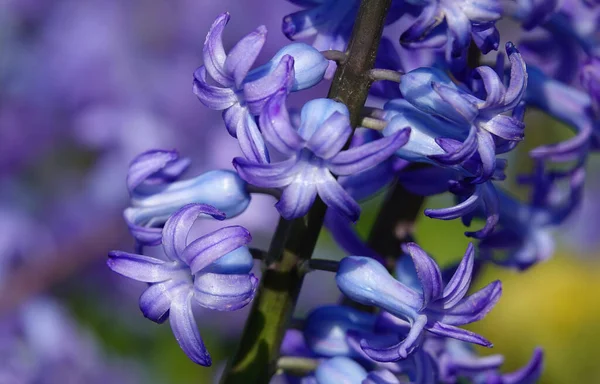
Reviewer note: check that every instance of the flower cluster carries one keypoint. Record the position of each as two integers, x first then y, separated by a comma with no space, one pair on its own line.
450,125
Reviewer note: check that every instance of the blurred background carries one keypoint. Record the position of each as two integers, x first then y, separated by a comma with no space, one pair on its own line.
85,85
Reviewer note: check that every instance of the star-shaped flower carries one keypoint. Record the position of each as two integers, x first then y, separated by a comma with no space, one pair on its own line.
314,154
213,270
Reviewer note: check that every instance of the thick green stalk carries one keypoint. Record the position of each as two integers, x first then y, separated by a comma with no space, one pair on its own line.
256,358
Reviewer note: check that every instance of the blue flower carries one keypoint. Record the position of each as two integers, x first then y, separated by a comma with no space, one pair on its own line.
431,139
436,307
459,20
242,93
156,193
213,270
483,122
313,154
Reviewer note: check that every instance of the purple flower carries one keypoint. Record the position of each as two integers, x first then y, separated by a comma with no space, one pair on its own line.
459,20
524,231
214,270
435,308
433,92
458,360
431,139
313,153
567,104
156,193
241,94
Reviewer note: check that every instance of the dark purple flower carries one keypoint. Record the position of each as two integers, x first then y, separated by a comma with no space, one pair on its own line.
437,308
313,155
524,230
214,270
567,104
458,360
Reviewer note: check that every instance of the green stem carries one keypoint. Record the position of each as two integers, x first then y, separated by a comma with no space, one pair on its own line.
256,358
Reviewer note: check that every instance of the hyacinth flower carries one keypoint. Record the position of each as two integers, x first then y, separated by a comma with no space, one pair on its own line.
241,93
431,138
435,308
524,230
156,193
213,271
458,360
453,24
433,92
313,154
569,105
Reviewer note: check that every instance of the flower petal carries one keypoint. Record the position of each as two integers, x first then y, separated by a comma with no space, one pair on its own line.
368,155
273,175
213,97
224,292
486,149
214,53
242,56
177,227
147,167
445,330
203,251
185,330
331,136
400,350
494,88
276,125
235,117
465,107
462,153
451,213
518,77
428,19
251,141
428,272
336,197
529,374
142,268
297,198
458,285
505,127
474,307
258,92
155,301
